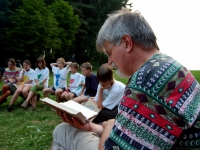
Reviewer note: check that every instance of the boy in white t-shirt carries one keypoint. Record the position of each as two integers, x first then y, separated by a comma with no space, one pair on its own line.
109,94
74,87
60,70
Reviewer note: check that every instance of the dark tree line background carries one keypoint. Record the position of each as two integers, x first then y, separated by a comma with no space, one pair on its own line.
54,28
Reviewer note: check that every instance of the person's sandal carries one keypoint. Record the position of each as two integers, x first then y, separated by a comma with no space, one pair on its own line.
25,104
31,108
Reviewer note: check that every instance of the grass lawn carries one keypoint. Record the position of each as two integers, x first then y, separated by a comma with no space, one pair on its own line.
24,130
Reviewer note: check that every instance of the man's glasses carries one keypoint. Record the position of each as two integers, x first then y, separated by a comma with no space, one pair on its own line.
105,51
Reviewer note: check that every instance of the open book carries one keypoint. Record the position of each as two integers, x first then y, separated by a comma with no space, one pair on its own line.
72,108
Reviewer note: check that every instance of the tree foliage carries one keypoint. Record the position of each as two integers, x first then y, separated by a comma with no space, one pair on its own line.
36,27
68,23
69,27
92,14
33,28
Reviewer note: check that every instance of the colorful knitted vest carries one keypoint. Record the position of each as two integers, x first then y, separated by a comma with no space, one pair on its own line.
161,102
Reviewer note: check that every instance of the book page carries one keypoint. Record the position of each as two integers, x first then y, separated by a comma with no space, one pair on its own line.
71,112
91,105
72,108
88,113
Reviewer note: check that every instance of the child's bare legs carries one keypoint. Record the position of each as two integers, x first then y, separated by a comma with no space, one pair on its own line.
16,94
33,102
46,91
30,95
71,96
26,90
81,99
26,102
64,96
67,95
58,93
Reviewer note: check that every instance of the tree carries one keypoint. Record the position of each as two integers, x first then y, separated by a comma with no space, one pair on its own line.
28,28
92,14
33,28
6,7
68,23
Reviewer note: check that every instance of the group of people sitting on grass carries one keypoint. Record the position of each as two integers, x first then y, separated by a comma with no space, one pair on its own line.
158,109
102,88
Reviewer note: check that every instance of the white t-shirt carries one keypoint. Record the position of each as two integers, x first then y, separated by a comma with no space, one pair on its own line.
60,76
113,95
28,75
75,80
42,74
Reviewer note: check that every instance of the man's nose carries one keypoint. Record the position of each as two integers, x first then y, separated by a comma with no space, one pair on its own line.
109,61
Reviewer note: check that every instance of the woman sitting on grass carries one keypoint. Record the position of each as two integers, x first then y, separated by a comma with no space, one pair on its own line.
41,82
10,79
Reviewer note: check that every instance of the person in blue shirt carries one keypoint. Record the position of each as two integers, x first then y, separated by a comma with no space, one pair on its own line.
90,84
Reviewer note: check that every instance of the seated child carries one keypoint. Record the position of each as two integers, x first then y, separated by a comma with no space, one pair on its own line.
89,88
60,70
26,78
74,87
10,79
40,82
109,94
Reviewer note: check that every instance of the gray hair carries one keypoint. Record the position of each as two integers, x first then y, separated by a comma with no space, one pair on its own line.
125,22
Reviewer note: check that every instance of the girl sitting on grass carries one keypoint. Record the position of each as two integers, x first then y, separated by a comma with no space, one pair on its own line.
10,79
26,78
40,82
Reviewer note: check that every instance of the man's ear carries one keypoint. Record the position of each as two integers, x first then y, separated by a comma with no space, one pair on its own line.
128,43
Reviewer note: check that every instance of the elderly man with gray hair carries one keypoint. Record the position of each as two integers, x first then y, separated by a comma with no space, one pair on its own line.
161,103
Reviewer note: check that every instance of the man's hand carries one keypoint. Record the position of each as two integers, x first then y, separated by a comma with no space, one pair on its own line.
73,121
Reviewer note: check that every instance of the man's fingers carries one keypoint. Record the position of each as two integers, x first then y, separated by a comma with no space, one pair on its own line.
68,119
76,122
57,112
61,115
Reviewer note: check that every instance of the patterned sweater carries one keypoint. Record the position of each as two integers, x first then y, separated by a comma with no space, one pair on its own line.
11,75
161,102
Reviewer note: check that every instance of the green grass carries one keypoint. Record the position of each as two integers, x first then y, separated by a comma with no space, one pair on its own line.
24,130
196,74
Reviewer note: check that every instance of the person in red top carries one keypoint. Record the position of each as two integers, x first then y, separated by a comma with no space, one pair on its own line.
10,79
